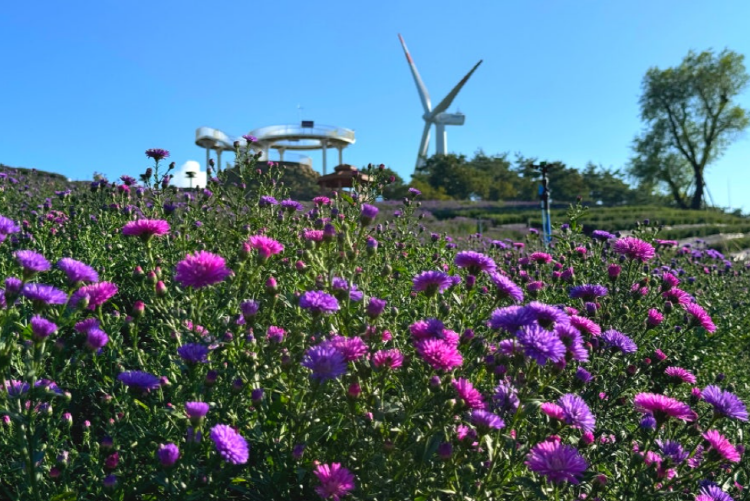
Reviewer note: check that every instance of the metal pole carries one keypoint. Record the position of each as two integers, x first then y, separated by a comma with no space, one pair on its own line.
218,159
545,202
208,157
325,168
341,156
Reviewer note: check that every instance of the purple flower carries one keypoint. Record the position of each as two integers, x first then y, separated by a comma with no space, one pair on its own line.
201,269
42,328
601,235
547,316
540,344
97,294
31,262
486,421
713,493
96,338
673,450
432,282
505,399
576,413
475,262
583,375
325,362
77,271
506,288
230,445
573,341
318,302
267,200
414,191
7,227
335,481
291,206
368,214
588,292
511,318
157,153
352,348
620,341
634,249
196,410
557,462
725,403
139,380
275,334
45,294
249,308
193,353
168,454
375,307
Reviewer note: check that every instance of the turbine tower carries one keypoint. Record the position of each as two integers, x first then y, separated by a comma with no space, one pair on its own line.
436,115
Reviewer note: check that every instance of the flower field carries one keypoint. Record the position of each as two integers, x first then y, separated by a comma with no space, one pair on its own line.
231,343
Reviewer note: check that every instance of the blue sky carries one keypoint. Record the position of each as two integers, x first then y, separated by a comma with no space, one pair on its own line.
88,86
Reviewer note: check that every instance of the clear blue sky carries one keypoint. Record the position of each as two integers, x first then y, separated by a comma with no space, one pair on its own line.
88,86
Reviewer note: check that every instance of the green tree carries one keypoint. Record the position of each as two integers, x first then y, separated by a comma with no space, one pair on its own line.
691,120
395,189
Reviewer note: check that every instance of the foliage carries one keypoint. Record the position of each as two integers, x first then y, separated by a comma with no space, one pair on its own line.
405,430
690,121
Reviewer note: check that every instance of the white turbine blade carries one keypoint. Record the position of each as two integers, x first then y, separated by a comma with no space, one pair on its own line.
424,144
452,94
424,96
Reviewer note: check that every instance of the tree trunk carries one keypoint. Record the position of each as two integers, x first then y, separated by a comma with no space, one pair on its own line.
697,201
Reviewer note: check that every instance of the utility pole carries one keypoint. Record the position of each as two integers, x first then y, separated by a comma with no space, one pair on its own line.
544,195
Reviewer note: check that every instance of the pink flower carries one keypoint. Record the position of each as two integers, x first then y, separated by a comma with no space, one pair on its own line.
146,228
97,294
663,407
335,481
699,316
201,269
390,359
722,446
552,410
634,248
683,375
470,395
265,246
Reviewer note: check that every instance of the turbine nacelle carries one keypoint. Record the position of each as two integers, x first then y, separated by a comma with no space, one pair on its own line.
449,118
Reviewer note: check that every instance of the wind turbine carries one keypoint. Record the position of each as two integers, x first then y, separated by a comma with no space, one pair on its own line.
436,115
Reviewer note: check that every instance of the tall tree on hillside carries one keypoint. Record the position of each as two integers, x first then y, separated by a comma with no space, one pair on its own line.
691,120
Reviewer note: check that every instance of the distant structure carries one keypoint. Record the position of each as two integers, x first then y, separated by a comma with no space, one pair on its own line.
436,115
343,176
304,137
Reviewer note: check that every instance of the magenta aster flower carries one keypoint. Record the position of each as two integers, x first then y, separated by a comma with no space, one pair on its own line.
440,354
654,318
585,325
663,407
676,295
275,334
196,410
146,228
432,328
540,257
335,481
318,302
541,345
678,373
506,288
325,362
725,403
77,271
389,359
352,348
265,246
139,380
556,462
475,262
576,413
432,282
229,444
157,153
168,454
698,316
201,269
470,395
634,248
552,410
722,446
97,294
44,294
31,262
